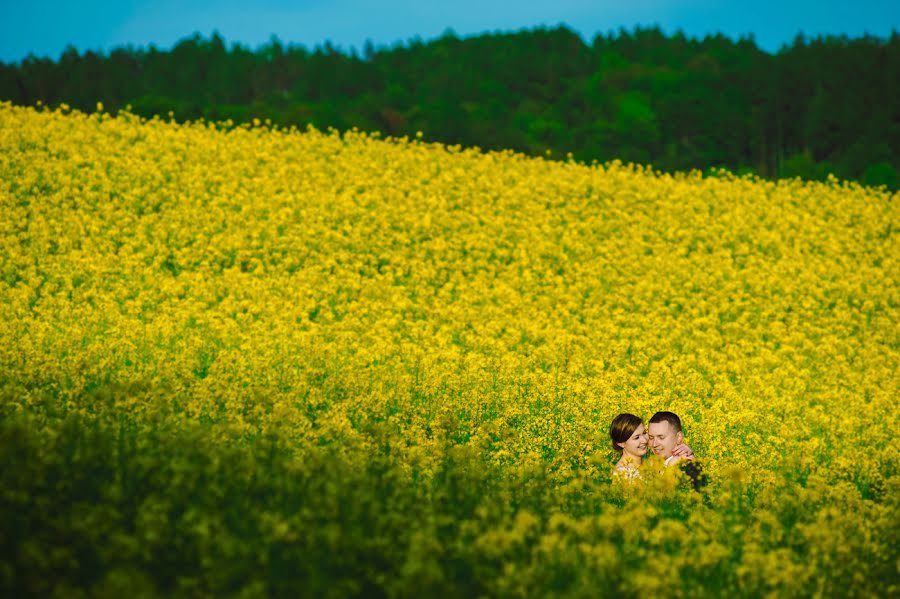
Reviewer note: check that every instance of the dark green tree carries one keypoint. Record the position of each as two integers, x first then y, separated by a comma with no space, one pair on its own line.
819,106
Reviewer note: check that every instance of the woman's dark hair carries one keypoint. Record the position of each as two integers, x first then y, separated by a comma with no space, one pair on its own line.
622,428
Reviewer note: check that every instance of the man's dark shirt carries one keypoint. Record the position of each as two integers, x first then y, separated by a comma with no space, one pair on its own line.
695,473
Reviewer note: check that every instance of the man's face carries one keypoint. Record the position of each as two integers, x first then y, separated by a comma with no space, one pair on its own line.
663,439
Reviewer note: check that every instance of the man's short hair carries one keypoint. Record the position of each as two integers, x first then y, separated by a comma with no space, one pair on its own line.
669,417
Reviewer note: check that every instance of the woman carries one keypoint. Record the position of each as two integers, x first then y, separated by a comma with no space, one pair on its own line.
629,438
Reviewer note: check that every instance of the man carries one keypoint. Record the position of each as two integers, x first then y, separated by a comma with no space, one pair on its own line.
665,438
665,435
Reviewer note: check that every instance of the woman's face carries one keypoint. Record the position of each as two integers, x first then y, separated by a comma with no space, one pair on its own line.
636,444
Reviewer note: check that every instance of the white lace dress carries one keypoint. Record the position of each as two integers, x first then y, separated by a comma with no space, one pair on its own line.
627,471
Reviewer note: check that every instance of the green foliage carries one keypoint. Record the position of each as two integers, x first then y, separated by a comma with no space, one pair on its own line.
882,173
167,509
804,166
673,102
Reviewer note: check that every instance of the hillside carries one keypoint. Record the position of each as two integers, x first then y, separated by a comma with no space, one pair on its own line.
267,360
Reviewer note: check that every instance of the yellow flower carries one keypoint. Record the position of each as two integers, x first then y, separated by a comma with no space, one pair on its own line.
345,290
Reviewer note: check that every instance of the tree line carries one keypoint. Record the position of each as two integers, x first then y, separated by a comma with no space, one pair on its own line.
816,107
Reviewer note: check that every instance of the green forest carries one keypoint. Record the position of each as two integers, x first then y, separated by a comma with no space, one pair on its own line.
816,107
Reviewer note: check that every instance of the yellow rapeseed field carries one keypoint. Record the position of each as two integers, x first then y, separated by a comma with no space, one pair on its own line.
379,295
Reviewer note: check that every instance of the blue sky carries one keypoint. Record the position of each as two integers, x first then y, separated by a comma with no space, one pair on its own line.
90,24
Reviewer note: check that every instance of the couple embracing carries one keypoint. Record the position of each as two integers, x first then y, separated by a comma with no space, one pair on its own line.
663,435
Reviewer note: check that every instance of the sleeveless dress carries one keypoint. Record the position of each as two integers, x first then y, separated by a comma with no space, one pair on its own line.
627,471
